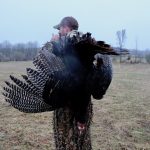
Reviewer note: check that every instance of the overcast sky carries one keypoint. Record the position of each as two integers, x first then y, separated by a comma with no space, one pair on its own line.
33,20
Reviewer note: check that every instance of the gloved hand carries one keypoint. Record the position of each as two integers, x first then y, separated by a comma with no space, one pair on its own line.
74,33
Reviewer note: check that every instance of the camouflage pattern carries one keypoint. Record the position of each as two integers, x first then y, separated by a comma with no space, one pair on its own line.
66,134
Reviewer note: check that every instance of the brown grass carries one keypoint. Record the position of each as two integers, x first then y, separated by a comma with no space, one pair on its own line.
121,120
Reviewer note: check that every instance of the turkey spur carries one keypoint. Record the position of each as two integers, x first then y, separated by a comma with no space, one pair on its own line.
67,72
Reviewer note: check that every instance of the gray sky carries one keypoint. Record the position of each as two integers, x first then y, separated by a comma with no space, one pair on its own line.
33,20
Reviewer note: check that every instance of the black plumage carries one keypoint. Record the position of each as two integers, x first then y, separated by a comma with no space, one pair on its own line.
64,76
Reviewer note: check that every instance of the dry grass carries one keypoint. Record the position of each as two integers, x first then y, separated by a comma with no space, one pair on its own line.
121,120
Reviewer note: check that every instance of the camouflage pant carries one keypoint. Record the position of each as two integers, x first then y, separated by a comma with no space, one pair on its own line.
66,134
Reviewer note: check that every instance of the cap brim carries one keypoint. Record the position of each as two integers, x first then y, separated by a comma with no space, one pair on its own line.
57,27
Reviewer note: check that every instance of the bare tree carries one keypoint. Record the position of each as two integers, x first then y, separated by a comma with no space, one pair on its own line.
121,37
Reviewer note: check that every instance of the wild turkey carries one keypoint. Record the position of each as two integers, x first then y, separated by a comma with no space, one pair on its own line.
64,78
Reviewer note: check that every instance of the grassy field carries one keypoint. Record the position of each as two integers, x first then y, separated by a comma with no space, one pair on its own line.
121,119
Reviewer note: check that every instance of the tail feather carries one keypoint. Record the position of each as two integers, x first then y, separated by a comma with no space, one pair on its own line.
52,62
24,107
25,77
38,80
19,93
16,88
48,63
25,87
27,95
41,64
29,82
25,102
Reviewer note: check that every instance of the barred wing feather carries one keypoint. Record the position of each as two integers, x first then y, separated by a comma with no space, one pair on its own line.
26,94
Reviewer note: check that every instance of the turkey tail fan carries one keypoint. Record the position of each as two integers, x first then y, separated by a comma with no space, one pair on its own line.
26,94
24,98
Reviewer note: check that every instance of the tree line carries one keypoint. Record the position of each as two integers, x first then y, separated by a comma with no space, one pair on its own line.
27,51
18,52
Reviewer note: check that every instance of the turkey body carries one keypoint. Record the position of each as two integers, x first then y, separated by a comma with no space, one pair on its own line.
63,81
81,79
64,77
74,93
85,80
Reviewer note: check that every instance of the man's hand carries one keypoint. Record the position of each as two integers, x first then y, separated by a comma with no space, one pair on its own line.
55,37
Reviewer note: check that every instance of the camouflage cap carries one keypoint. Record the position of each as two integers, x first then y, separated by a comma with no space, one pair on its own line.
68,21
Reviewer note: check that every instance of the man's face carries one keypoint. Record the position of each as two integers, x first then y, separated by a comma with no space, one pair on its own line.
64,30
